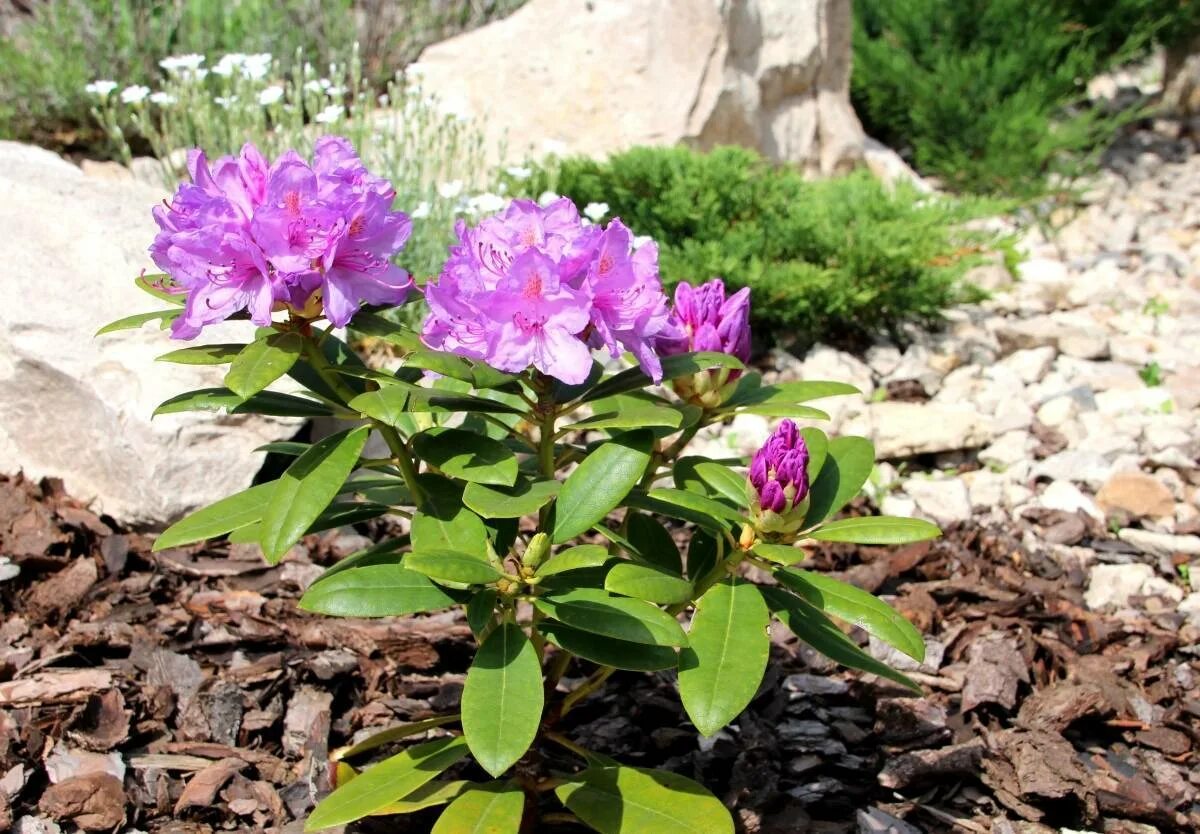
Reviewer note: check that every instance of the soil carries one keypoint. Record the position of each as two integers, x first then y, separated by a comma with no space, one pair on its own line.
183,692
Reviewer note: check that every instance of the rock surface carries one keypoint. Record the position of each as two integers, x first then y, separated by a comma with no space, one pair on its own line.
78,407
767,74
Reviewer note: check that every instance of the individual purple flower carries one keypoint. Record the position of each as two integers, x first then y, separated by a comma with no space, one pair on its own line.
705,319
533,286
317,238
779,470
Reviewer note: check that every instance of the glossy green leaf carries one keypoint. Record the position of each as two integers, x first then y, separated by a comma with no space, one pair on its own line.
238,510
136,321
621,618
387,405
271,403
649,583
701,555
682,511
630,800
386,782
628,413
502,699
158,285
673,367
600,483
818,448
443,523
452,566
780,554
467,455
202,354
525,498
786,393
427,796
855,606
262,362
441,362
494,808
386,552
728,645
847,467
437,402
373,324
574,558
876,530
381,590
621,654
480,610
344,361
391,734
695,502
727,483
789,410
820,632
649,541
307,488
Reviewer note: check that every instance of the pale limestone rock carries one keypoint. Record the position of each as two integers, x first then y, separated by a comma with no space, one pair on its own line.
1065,496
945,501
76,406
772,75
1113,586
1008,449
1136,494
905,429
1029,364
1160,544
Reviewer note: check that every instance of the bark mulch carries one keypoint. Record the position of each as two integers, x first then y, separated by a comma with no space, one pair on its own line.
183,692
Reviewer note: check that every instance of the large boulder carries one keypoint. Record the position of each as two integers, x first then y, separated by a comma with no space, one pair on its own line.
596,77
78,407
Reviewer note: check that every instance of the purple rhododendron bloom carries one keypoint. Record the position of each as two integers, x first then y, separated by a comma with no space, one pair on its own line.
705,319
534,286
779,470
243,235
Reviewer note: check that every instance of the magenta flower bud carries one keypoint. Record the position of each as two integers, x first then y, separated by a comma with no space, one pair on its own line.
779,470
705,319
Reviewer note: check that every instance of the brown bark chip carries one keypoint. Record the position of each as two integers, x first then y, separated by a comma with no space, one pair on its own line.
95,802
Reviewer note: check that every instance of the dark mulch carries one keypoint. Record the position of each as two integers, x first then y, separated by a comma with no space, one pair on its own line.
183,692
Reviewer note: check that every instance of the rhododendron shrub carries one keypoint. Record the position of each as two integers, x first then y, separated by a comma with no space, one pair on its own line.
537,432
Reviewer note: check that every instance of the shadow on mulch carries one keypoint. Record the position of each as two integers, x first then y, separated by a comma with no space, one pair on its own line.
183,692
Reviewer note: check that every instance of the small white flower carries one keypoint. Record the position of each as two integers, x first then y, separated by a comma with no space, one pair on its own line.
486,203
270,95
450,190
194,75
225,101
421,211
553,147
101,88
135,94
596,211
176,63
313,86
335,92
330,114
547,198
518,172
162,99
229,63
256,67
383,100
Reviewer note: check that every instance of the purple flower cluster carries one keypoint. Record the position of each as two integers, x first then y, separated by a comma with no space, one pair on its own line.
535,286
705,319
245,235
779,470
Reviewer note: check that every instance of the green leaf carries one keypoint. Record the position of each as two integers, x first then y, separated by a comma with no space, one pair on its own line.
631,800
387,405
818,449
847,467
780,554
441,362
134,322
525,498
790,410
672,509
600,483
467,455
156,285
787,393
502,699
451,566
387,552
628,413
701,555
673,367
426,796
380,590
648,583
271,403
480,610
494,808
650,542
574,558
307,488
443,523
726,657
202,354
373,324
606,651
379,739
598,612
388,781
437,402
876,530
696,503
238,510
820,632
727,483
262,362
855,606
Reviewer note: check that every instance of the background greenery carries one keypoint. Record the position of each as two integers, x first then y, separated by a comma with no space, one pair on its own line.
836,260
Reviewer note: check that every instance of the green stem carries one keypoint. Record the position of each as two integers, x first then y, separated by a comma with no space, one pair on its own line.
558,668
586,688
402,459
563,741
